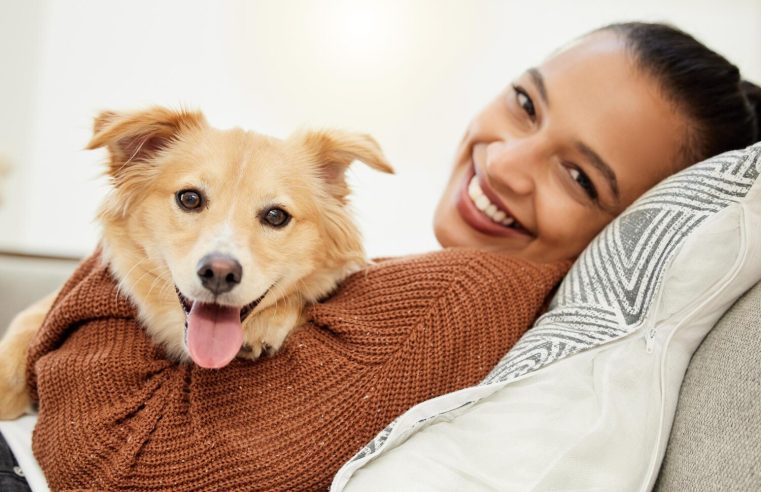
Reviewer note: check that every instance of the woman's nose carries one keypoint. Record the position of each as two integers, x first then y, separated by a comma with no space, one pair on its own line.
513,166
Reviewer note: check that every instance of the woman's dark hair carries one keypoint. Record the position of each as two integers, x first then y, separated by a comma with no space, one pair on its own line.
725,110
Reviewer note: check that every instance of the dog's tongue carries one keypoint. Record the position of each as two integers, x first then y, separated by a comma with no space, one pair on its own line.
214,334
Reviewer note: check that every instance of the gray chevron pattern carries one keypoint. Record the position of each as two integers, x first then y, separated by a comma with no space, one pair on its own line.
608,292
373,446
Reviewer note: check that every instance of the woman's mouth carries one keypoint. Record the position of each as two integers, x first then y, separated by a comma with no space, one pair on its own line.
482,203
482,214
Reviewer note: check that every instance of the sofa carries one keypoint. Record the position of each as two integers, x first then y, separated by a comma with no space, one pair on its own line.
715,441
25,278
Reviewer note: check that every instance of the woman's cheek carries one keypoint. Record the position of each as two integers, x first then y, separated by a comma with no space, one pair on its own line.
564,222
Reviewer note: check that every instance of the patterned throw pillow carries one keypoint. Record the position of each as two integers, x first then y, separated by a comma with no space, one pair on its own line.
619,335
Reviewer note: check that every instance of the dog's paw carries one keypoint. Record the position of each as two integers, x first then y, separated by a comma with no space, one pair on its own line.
254,350
250,351
14,398
267,333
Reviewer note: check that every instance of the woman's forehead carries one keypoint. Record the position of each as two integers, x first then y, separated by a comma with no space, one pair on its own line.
594,43
598,58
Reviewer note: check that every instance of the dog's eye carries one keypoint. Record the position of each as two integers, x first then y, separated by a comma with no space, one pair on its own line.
190,200
276,217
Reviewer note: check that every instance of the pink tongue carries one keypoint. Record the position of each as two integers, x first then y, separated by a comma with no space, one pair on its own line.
214,334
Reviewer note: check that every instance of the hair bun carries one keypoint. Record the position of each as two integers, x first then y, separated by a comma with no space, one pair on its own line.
753,94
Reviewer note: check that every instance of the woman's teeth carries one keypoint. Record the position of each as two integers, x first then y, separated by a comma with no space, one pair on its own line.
487,207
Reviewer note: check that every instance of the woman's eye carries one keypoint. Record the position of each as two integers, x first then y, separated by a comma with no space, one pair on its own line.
189,200
524,101
275,217
583,181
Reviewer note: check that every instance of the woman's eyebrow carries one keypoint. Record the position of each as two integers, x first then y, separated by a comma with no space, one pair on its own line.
538,79
602,166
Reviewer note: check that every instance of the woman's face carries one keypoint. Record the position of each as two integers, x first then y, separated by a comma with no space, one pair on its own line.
559,153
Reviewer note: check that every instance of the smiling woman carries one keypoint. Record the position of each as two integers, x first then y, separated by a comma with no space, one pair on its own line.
560,152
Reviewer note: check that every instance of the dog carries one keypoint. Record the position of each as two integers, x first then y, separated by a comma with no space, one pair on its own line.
220,238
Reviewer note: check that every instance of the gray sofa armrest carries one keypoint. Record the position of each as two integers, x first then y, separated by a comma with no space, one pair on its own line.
26,278
715,441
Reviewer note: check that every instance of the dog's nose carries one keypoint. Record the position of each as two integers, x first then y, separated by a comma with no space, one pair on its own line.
219,273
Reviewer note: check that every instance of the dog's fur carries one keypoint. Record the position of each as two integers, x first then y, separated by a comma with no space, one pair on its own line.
153,246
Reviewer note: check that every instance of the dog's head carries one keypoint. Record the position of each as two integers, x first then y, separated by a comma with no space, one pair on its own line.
224,223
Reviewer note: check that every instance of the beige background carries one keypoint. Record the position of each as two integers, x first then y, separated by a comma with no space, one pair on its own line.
410,72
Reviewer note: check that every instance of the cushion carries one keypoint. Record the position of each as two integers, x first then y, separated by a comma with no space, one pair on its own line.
715,443
586,399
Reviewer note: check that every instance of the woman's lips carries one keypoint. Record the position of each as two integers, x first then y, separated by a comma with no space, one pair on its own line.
478,219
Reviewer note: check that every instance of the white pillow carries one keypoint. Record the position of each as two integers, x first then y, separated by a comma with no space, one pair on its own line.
585,400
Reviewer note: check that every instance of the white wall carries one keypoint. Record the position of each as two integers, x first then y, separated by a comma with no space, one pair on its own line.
409,72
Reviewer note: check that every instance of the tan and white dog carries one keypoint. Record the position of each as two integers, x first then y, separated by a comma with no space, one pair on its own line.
220,238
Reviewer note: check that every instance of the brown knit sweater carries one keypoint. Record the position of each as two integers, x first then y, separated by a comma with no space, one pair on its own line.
115,414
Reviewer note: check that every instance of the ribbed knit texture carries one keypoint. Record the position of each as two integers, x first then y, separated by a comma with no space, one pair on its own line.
115,414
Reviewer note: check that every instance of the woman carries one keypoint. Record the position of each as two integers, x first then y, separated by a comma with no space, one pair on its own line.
540,172
571,143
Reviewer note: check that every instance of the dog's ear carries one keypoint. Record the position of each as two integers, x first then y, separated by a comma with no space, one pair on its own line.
139,136
335,150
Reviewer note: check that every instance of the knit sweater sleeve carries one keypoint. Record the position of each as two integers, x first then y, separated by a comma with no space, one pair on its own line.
426,318
116,414
89,294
